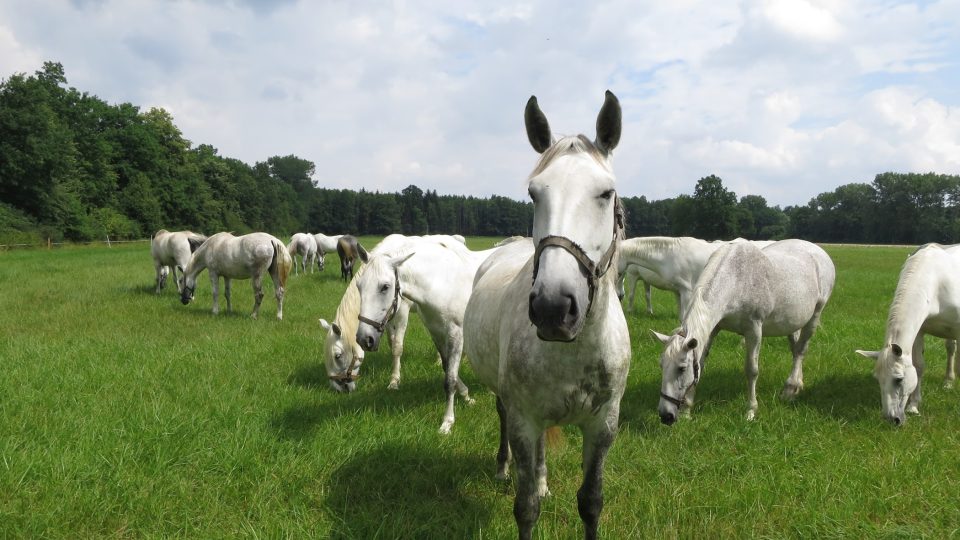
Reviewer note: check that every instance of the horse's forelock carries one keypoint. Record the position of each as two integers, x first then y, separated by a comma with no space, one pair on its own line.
571,144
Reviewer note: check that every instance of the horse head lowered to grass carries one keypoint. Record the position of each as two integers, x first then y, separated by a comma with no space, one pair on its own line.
558,351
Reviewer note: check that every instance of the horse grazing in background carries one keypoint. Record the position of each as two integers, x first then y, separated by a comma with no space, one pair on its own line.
634,274
342,354
437,277
779,290
570,365
349,250
239,257
325,244
304,245
927,301
172,251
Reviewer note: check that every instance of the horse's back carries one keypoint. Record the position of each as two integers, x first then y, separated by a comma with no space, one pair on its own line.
801,256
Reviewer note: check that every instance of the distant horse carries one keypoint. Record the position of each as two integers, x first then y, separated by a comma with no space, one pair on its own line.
557,351
172,250
342,355
325,244
349,250
675,261
927,301
777,291
635,274
437,277
304,245
239,257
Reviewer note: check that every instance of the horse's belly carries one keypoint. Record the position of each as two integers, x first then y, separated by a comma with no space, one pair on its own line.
945,325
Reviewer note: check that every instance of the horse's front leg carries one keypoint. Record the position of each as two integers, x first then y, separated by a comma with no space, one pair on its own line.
523,445
176,278
396,330
648,295
215,290
751,366
913,402
597,439
257,293
161,277
452,350
951,376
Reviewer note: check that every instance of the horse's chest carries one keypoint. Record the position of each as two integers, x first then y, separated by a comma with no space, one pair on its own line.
563,393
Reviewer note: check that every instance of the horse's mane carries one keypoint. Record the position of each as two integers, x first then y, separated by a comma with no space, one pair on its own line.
907,288
349,310
571,144
650,246
697,315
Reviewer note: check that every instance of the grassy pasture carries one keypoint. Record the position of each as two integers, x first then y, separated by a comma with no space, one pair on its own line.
126,414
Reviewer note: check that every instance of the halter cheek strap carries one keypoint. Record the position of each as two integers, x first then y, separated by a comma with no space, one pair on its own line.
347,376
594,271
381,325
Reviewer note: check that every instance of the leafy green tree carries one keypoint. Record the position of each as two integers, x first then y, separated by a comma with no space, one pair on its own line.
715,210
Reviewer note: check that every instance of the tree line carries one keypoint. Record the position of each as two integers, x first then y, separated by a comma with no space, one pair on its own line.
73,167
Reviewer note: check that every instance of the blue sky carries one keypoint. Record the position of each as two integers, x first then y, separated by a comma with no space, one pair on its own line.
781,98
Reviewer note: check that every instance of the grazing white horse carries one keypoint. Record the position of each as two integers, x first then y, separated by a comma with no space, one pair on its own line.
172,251
777,291
558,351
239,257
927,301
325,244
438,278
342,354
304,245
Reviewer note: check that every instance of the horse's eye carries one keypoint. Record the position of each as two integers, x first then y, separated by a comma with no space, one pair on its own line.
898,381
339,355
681,368
607,194
385,287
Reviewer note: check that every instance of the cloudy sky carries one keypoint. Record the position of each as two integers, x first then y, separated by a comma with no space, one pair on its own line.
781,98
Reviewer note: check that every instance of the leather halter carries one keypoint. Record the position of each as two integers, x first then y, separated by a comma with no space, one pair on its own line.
594,271
347,376
380,326
682,400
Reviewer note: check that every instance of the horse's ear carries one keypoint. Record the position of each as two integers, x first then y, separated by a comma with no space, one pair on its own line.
609,124
364,256
324,324
538,129
336,329
897,351
400,259
869,354
661,337
691,344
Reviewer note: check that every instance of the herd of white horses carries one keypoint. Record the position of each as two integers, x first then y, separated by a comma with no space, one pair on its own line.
540,319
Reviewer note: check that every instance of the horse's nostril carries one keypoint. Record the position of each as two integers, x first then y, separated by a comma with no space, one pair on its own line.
897,421
668,418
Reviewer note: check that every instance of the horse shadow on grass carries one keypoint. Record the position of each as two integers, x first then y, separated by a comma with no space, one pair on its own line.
301,420
410,491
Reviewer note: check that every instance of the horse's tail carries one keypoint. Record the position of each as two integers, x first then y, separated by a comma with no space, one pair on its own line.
195,240
554,437
363,252
282,263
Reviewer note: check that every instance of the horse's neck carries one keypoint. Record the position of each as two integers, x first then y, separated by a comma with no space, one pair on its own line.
198,262
910,308
702,316
653,249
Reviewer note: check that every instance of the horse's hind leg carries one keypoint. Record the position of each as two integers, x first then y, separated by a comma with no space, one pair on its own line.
161,276
951,345
280,291
799,341
503,453
452,350
647,293
597,439
257,293
215,290
176,278
227,285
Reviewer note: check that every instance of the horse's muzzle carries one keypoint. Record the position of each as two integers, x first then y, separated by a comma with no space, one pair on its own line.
668,418
367,338
557,316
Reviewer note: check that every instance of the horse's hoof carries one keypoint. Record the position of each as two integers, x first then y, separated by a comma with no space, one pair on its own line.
790,392
751,414
445,427
503,476
470,401
948,385
912,409
394,385
543,491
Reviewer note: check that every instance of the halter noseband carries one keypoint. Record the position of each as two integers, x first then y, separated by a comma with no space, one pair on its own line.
381,325
347,376
594,271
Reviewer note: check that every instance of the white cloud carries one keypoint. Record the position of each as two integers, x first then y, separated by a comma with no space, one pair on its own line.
781,98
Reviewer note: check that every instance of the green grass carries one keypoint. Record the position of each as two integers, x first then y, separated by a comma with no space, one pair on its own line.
126,414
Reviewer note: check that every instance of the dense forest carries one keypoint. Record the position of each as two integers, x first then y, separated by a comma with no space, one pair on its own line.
73,167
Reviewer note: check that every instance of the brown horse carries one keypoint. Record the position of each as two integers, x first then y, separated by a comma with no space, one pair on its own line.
349,248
